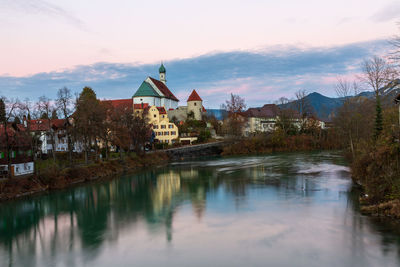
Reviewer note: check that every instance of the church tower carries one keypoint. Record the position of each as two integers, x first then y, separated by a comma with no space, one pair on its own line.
162,72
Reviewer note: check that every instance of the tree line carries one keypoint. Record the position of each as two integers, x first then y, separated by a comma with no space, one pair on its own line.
89,125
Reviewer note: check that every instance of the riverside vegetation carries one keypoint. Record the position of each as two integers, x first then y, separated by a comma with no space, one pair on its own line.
57,175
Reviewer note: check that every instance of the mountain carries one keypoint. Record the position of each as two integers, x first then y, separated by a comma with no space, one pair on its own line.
323,106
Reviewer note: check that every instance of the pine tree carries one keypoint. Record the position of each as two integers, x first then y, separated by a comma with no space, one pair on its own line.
3,118
378,118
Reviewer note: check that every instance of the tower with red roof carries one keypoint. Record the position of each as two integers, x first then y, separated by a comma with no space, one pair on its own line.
195,105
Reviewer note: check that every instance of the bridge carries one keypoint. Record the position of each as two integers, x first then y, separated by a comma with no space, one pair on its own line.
192,151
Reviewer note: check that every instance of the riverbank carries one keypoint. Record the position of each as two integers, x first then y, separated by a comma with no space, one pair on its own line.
55,178
376,167
276,143
389,209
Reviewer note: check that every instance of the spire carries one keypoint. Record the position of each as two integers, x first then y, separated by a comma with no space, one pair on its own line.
162,68
162,72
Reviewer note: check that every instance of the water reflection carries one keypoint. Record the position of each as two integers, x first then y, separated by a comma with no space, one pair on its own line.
267,204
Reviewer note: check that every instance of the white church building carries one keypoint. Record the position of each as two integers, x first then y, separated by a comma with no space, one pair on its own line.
156,93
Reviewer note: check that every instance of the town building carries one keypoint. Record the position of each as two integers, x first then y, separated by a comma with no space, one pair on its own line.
193,110
261,119
45,129
164,130
21,156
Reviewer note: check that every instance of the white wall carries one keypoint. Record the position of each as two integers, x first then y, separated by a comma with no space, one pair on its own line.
151,100
21,168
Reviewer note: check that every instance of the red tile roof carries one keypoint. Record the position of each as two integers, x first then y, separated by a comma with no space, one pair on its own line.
164,89
43,124
194,96
141,106
161,110
204,110
120,103
267,111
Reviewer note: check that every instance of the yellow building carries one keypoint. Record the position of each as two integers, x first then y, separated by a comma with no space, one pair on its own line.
165,131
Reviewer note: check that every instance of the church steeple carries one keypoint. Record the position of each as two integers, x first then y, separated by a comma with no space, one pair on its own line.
162,72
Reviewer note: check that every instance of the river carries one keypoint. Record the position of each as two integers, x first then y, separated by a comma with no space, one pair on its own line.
289,209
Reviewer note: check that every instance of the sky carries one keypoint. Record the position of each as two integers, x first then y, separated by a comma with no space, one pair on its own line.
261,50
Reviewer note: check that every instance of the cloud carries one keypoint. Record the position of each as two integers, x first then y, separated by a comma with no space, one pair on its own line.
43,7
259,76
389,12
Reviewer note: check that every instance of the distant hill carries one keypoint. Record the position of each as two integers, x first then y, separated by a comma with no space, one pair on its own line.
323,106
218,113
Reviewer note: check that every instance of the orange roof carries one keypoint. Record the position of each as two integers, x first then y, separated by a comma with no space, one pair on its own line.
194,96
120,103
141,106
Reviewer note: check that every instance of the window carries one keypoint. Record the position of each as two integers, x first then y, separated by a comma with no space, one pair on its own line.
163,126
170,126
155,116
195,103
166,141
155,127
166,133
160,133
173,133
163,116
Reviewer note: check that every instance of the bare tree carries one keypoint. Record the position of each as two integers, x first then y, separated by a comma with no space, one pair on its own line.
303,107
376,74
46,108
235,107
347,119
64,104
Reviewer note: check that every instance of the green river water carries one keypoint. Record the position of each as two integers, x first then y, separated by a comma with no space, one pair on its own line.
292,209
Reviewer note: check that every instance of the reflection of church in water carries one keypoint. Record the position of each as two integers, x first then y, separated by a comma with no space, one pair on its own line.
171,191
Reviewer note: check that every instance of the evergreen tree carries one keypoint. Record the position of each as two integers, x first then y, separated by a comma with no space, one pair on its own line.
378,118
3,118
